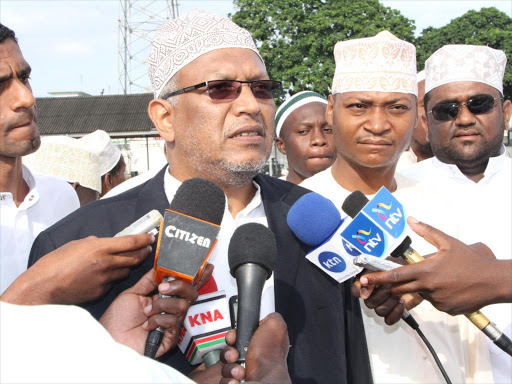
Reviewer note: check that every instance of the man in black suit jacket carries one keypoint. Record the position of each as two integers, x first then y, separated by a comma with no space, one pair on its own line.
223,131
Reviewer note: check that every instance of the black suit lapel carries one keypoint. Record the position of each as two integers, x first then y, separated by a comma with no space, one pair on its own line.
152,196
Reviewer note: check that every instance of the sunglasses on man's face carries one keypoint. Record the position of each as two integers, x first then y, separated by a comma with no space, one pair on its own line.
231,89
477,104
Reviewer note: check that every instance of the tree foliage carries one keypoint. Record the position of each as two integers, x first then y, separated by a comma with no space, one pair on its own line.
489,27
296,38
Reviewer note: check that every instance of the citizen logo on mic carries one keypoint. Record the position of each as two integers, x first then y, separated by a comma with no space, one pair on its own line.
173,232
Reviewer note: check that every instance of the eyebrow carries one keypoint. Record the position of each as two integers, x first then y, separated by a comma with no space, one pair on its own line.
24,71
369,101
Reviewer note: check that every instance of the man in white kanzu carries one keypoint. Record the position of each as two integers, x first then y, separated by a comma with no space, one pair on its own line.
466,188
29,203
372,110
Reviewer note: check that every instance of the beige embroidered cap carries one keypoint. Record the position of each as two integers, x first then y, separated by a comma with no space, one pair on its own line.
180,41
382,63
458,62
99,142
68,159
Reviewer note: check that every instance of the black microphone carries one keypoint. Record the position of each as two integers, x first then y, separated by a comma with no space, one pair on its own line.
252,257
356,201
186,239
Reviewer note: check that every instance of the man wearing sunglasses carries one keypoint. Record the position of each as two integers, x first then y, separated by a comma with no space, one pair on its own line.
372,110
467,187
214,107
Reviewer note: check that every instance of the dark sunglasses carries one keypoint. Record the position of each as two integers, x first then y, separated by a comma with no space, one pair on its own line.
477,104
231,89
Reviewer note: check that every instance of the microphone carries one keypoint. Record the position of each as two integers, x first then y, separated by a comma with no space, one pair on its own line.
356,204
203,334
187,237
317,222
146,224
252,255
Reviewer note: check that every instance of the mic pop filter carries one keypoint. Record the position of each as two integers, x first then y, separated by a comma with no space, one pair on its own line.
354,203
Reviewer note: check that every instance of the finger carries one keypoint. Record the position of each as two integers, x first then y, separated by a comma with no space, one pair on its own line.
126,243
378,297
130,259
234,371
231,337
172,305
358,290
145,285
412,287
168,322
432,235
179,288
385,308
229,355
395,314
207,273
395,276
229,381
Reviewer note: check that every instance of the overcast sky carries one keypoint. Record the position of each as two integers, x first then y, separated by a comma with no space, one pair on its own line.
73,45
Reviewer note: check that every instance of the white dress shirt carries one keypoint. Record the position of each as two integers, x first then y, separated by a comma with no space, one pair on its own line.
49,200
397,354
473,212
406,159
65,344
253,213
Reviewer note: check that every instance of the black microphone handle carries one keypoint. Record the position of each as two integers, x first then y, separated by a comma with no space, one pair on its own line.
250,279
155,336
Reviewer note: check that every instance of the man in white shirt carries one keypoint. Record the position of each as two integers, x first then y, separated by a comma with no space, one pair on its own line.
466,187
28,203
214,107
373,114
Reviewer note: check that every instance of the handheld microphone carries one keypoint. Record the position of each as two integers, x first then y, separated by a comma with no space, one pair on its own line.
146,224
252,255
357,202
187,237
317,222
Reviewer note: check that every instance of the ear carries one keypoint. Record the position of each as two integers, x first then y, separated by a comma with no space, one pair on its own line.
75,185
424,124
161,112
507,112
330,110
280,145
107,181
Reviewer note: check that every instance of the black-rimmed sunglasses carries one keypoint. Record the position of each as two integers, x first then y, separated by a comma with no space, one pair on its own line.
231,89
477,104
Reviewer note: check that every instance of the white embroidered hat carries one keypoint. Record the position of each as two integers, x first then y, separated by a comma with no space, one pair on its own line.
66,158
382,63
180,41
420,76
453,63
99,142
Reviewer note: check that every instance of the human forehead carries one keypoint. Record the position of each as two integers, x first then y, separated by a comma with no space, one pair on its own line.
11,58
224,64
377,98
460,91
306,114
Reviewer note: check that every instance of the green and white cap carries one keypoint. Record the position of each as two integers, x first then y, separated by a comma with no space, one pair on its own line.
293,103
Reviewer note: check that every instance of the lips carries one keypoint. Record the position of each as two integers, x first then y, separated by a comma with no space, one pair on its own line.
375,142
248,131
467,132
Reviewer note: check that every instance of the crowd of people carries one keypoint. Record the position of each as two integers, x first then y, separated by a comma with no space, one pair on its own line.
423,136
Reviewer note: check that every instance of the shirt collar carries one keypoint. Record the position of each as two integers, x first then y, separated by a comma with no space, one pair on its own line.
32,196
494,165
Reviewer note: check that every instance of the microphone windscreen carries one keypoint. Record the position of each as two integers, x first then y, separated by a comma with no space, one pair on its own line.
313,218
252,243
354,203
201,199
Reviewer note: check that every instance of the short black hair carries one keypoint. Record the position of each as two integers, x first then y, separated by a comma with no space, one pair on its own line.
6,33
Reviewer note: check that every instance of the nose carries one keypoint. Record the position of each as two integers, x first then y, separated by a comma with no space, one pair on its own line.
246,102
22,96
464,118
318,138
378,122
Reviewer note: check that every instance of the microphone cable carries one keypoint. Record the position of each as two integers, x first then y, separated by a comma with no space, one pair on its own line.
407,317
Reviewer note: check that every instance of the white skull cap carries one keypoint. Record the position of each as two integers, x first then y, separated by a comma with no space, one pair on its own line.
180,41
454,63
99,143
382,63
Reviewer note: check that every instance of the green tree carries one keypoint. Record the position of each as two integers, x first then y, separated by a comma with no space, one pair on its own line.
296,38
489,27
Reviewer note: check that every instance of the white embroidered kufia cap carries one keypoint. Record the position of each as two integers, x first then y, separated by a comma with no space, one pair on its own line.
99,142
67,159
453,63
382,63
180,41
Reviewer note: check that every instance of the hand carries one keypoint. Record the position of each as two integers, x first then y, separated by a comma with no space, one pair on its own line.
266,355
133,313
79,271
457,279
